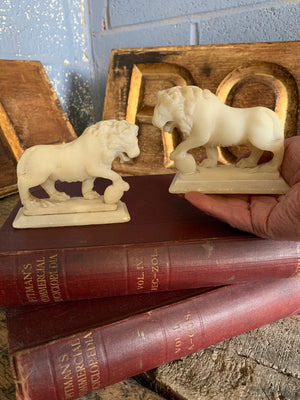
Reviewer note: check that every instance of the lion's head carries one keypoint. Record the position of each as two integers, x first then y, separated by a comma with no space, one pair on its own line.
116,139
175,107
126,140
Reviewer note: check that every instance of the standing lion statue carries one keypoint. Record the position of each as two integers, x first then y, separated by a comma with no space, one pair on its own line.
205,121
84,159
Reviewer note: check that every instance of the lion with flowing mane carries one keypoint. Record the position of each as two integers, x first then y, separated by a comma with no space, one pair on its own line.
205,121
84,159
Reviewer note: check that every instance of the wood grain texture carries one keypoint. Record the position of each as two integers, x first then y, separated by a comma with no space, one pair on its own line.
128,389
242,75
30,113
261,364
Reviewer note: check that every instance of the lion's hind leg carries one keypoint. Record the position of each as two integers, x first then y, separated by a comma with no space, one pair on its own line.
265,133
53,193
24,185
87,189
212,157
275,162
252,160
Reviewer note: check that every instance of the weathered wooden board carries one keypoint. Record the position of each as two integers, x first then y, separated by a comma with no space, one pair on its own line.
262,364
242,75
30,113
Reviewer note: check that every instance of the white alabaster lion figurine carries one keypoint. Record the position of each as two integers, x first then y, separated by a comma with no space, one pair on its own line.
205,121
84,159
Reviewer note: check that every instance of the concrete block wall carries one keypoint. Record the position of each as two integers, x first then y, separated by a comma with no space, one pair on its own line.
74,38
55,33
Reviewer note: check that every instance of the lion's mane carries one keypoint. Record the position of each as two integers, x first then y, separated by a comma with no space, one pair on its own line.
109,136
184,99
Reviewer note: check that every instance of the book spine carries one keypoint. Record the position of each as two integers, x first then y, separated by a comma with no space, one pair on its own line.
72,274
71,367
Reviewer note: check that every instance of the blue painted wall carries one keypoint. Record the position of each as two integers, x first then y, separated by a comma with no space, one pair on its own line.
73,38
56,33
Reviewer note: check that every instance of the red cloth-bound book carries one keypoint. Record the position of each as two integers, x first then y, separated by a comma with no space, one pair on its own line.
167,245
66,350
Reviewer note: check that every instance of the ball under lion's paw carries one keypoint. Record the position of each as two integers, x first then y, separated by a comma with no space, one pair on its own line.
125,186
186,165
112,194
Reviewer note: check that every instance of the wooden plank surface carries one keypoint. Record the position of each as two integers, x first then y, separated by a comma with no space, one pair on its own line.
30,113
262,364
242,75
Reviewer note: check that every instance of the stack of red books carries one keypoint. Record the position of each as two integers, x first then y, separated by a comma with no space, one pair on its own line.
89,306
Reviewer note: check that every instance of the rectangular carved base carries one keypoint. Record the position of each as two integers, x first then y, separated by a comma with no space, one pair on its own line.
227,179
70,206
119,215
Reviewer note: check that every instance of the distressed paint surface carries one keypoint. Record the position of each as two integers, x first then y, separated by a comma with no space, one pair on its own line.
130,12
119,24
55,33
73,38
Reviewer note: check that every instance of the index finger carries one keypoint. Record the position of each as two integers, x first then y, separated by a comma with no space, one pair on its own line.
233,210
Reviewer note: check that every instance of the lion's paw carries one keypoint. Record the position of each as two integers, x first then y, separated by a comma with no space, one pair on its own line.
91,195
46,203
208,163
60,196
246,163
31,203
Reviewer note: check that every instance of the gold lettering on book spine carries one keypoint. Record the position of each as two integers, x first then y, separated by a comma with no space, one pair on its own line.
28,283
186,332
65,369
141,275
79,367
54,278
190,327
41,280
177,340
155,270
149,270
80,371
91,356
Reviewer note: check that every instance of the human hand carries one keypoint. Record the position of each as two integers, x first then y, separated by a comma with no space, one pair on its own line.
268,216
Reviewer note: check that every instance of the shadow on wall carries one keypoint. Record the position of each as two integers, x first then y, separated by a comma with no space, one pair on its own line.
80,104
